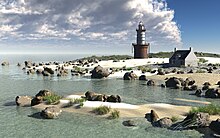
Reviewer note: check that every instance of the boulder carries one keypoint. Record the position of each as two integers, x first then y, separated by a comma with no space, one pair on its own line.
23,101
100,97
164,123
114,99
5,63
192,121
212,93
45,73
89,95
28,64
215,126
207,84
39,71
143,77
130,76
173,83
205,87
153,116
198,93
51,112
49,70
190,81
130,123
43,93
99,72
150,83
36,100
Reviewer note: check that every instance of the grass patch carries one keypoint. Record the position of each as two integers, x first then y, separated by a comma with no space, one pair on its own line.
75,101
102,110
115,114
175,118
211,109
52,99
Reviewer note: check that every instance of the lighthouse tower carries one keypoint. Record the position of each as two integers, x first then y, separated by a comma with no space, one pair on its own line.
141,47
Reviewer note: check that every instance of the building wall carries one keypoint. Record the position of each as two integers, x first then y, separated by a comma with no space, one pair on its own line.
191,59
176,62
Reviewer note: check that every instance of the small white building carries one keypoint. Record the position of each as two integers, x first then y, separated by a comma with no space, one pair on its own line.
183,58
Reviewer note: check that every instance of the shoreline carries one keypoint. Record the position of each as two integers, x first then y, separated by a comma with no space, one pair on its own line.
127,110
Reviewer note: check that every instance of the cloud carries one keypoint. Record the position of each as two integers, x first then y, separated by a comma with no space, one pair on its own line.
87,21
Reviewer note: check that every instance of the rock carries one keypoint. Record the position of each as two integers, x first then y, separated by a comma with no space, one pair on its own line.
49,70
150,83
207,84
23,101
45,73
198,93
164,122
173,83
51,112
192,121
205,87
36,100
100,97
43,93
153,116
28,64
114,99
99,72
89,95
194,87
130,123
143,77
130,76
5,63
190,81
215,126
212,93
163,86
39,71
19,64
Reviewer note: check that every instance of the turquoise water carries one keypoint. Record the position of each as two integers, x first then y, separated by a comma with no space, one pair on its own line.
15,121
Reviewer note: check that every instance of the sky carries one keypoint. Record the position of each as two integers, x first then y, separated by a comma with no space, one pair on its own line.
107,26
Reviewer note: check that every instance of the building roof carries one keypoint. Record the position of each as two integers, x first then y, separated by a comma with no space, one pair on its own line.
180,54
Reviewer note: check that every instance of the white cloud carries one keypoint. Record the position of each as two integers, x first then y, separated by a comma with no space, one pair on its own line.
88,20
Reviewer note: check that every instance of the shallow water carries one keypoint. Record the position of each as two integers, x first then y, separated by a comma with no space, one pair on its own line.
15,121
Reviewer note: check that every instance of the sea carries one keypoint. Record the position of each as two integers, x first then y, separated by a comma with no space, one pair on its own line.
17,122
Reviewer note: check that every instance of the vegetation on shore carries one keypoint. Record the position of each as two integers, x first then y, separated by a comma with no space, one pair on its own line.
52,99
115,114
211,109
102,110
151,55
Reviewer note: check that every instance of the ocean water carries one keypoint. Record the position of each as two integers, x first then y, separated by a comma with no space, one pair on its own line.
16,121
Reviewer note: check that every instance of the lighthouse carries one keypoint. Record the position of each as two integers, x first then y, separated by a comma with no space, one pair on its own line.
141,46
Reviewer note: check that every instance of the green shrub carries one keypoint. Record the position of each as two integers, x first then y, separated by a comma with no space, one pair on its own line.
115,114
200,71
211,109
102,110
52,99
